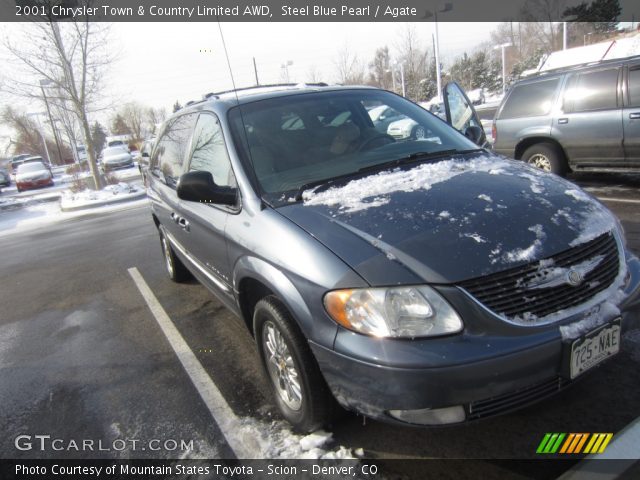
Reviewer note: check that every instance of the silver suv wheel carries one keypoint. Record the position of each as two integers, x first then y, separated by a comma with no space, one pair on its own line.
540,161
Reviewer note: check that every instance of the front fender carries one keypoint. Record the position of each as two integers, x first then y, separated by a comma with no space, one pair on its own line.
304,301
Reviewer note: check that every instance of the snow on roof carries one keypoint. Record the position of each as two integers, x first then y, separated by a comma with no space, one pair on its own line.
611,49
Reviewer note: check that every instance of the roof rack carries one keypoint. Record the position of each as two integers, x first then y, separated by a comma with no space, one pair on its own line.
210,95
271,85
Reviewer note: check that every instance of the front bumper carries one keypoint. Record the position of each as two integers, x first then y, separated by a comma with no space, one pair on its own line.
485,373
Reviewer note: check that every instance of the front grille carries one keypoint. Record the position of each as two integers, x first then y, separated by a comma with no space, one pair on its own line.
516,399
509,293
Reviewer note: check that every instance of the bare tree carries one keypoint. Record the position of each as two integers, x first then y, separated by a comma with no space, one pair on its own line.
133,115
154,117
28,138
349,67
414,58
70,57
313,75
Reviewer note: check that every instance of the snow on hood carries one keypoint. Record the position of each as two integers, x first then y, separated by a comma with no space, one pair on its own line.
373,191
449,221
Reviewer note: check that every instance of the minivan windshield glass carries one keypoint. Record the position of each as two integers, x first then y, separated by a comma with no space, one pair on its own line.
298,140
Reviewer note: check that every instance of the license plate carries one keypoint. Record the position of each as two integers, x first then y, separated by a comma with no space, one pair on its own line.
594,347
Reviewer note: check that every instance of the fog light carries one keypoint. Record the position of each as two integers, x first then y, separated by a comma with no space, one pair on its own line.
430,416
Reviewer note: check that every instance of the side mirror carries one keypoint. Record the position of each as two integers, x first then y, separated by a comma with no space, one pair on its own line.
200,187
474,133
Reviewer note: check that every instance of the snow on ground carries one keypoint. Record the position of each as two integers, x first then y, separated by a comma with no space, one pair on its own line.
87,198
276,441
38,215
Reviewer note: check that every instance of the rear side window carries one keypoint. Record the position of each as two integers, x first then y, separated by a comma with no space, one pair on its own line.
634,87
209,152
172,148
530,100
591,91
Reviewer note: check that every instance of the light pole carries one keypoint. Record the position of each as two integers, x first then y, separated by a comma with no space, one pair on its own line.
393,76
404,92
446,8
286,66
44,141
504,66
44,83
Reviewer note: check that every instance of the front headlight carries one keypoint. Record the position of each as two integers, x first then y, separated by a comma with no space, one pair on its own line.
398,312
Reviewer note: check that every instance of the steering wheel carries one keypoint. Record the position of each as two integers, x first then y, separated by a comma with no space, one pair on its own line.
375,137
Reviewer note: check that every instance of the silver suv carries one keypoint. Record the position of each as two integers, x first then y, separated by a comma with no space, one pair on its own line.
578,119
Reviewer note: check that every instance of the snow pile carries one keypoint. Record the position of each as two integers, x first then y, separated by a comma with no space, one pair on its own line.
372,191
110,194
276,441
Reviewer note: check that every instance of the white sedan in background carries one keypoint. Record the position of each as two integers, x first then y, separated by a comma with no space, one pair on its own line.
116,157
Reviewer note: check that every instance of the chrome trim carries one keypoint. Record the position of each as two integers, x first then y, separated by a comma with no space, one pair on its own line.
600,297
196,263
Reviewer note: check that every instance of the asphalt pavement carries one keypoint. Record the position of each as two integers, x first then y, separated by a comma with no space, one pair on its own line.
82,357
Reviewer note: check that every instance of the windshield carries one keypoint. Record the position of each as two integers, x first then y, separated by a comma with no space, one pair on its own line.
31,167
301,139
112,151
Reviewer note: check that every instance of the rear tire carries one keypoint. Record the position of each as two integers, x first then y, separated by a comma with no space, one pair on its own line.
173,265
299,389
547,157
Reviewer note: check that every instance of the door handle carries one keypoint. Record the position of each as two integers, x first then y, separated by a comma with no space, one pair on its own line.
562,121
634,115
184,224
175,217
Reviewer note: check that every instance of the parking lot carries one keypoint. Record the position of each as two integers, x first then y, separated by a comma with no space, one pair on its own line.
84,357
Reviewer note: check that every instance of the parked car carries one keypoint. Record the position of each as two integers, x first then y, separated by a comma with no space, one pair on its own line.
33,175
118,143
459,113
383,116
5,179
82,153
581,118
115,157
422,282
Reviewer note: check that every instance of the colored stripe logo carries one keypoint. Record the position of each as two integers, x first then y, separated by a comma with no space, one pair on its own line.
568,443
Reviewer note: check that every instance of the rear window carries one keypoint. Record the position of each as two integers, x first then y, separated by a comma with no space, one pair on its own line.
31,167
530,99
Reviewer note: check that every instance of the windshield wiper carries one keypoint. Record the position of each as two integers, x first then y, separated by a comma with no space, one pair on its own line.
325,181
413,157
418,156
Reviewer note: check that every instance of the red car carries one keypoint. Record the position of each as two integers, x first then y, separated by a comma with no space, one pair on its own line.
33,175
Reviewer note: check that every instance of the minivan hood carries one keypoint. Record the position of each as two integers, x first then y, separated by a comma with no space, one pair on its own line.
449,221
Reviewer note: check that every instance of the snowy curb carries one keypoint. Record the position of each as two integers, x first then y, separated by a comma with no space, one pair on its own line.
28,201
69,206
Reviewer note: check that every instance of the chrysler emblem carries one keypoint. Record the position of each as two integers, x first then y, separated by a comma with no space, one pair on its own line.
574,278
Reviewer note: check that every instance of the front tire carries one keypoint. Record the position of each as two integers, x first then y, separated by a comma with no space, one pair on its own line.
547,157
299,390
173,265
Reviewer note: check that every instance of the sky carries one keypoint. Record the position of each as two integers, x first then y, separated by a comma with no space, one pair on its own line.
161,63
157,64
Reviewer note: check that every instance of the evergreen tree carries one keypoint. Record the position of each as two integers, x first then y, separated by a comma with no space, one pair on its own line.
176,106
119,126
99,137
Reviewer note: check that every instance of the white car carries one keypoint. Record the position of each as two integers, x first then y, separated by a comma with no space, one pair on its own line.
115,157
408,129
